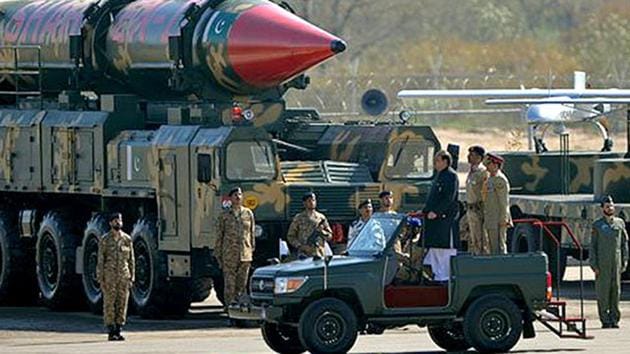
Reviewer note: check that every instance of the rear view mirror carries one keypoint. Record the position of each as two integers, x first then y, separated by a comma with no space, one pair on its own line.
204,168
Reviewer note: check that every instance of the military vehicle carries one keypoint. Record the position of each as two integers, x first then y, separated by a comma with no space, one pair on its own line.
320,305
157,109
152,108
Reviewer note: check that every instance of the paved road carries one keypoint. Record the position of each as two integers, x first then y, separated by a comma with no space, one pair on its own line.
204,330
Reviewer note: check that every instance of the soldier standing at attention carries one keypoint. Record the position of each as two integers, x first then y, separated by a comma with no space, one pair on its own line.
304,225
478,241
387,202
235,246
115,273
608,257
365,210
496,205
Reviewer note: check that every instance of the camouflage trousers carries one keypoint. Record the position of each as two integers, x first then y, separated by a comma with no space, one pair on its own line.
477,238
235,280
497,238
115,300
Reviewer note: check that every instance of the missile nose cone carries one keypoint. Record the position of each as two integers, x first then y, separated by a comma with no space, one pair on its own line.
268,46
338,46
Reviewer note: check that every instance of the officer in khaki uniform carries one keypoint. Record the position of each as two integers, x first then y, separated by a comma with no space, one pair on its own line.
496,205
477,176
608,256
304,225
235,246
115,273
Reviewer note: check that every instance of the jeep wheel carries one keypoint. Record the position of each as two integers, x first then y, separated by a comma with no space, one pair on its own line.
493,324
450,337
328,326
282,339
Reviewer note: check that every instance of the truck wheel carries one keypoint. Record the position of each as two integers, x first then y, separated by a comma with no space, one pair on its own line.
449,338
328,325
55,256
95,229
17,285
154,294
282,339
201,288
493,324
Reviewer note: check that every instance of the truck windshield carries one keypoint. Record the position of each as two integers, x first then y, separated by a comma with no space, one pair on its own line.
250,160
375,235
410,158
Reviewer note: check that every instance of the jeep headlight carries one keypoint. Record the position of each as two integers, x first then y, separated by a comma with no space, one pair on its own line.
258,231
286,285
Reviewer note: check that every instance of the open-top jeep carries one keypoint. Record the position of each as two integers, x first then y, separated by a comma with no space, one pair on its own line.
321,305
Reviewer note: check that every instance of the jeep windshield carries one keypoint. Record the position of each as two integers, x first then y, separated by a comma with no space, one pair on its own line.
250,161
375,235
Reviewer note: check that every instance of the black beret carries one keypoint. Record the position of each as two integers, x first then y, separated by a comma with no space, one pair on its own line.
477,149
234,190
365,202
385,194
606,199
308,196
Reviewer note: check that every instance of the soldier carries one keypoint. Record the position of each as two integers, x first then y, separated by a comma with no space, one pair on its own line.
235,246
409,253
387,202
608,257
496,205
441,212
477,176
305,225
365,211
115,272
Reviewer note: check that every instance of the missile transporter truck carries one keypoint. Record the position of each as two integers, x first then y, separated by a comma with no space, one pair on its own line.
152,108
321,305
564,186
157,108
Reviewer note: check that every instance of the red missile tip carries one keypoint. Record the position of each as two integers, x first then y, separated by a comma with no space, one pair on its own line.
268,45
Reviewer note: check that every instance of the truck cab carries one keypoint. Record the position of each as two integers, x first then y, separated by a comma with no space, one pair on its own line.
321,305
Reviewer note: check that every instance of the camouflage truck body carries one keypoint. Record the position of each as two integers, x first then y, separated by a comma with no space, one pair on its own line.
564,187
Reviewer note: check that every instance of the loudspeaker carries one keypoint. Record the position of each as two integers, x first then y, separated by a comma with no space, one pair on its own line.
374,102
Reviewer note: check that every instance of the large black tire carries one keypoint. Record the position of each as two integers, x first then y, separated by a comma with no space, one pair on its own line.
282,339
328,325
154,294
526,238
201,288
219,288
17,269
493,324
450,338
95,229
59,284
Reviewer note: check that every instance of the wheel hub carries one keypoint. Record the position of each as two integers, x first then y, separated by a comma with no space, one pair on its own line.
329,327
49,263
496,325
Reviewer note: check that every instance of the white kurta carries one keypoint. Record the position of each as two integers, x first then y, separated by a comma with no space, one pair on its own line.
440,261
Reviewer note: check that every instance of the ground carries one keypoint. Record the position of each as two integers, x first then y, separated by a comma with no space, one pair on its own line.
204,330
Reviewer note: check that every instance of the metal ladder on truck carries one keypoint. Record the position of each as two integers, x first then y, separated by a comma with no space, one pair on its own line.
555,316
17,74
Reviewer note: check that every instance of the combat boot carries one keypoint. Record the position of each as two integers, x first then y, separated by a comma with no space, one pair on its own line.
117,333
112,333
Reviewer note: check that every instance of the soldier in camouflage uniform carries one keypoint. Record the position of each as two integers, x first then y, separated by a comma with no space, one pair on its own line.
235,246
305,225
409,253
477,176
115,273
608,257
496,205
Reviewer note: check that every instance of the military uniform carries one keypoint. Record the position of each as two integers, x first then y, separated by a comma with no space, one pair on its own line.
301,229
609,255
115,272
409,256
477,239
234,250
496,212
